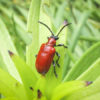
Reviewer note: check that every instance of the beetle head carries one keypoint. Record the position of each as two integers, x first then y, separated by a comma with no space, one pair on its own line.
55,37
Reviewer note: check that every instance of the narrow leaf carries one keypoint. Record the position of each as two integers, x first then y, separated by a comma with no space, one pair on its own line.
19,24
10,87
6,44
26,74
75,37
92,72
86,92
33,16
92,97
9,98
67,88
89,57
33,27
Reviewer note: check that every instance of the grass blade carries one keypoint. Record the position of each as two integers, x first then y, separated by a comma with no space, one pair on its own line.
84,63
33,27
10,87
5,39
9,98
92,97
66,89
92,72
86,92
33,16
20,25
26,74
75,38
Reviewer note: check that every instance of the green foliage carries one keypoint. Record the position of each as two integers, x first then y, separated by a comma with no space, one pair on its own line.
85,62
33,26
25,75
86,92
75,37
91,73
10,87
79,64
67,88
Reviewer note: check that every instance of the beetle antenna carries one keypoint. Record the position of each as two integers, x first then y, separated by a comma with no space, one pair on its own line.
46,27
63,28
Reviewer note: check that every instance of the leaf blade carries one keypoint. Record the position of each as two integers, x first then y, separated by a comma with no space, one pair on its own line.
11,87
92,72
84,63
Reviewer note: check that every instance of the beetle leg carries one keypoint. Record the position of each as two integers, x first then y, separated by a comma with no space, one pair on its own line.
54,68
62,45
58,55
47,37
35,55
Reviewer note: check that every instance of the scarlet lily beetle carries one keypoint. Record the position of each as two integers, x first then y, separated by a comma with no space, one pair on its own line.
47,51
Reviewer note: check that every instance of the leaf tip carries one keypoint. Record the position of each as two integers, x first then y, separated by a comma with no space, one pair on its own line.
10,53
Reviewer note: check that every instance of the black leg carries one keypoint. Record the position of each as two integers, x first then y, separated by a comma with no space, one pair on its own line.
35,55
48,37
54,68
57,59
62,45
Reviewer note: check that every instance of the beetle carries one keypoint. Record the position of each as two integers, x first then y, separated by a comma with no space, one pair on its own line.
45,56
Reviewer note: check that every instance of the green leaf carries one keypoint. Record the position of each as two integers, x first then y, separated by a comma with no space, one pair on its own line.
33,16
22,10
75,37
27,76
84,63
86,92
2,64
10,87
9,13
92,97
19,24
40,32
92,72
4,34
91,39
40,85
6,44
60,14
66,89
9,98
33,26
51,79
27,39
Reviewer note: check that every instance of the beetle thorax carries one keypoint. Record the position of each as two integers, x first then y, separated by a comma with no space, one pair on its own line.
51,42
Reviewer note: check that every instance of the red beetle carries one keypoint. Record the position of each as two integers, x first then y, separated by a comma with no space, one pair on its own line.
47,52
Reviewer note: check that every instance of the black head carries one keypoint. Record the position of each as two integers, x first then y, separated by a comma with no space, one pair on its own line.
52,34
55,37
